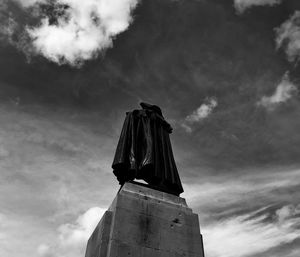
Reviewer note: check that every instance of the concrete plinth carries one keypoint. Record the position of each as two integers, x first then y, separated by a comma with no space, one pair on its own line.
142,222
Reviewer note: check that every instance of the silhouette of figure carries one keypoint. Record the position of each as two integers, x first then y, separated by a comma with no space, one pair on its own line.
144,151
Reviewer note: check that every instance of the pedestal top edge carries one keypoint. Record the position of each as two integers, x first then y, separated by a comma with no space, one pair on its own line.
152,193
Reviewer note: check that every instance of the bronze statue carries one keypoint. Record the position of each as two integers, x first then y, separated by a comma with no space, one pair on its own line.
144,151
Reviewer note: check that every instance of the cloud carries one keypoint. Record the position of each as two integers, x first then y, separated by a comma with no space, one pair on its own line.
43,250
14,228
200,113
71,31
284,91
253,233
96,165
203,111
3,152
74,234
7,28
72,237
3,220
286,212
63,145
257,189
85,29
227,74
28,3
242,5
40,159
288,37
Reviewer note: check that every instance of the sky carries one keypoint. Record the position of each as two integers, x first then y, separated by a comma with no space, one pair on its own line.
224,72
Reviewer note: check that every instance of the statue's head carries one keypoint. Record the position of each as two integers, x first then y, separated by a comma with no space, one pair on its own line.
152,107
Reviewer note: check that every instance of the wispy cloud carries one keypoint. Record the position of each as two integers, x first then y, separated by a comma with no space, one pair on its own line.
58,143
237,235
202,112
7,28
265,222
223,197
284,91
242,5
57,158
253,233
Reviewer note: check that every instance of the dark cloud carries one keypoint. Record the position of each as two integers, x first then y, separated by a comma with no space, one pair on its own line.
60,124
177,54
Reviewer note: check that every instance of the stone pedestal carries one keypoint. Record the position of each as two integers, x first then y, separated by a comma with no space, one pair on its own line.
142,222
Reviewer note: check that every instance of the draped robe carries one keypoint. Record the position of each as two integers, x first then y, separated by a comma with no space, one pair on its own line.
144,151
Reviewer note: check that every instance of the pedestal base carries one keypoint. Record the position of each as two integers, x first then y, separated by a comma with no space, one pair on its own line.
142,222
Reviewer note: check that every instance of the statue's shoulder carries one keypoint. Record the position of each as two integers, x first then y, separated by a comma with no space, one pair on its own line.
151,112
136,112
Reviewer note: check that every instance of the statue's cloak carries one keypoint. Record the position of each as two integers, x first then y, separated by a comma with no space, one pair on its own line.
144,151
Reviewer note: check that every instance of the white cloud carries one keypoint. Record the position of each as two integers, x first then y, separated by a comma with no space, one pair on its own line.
288,37
284,91
44,250
81,30
72,237
242,5
84,29
286,212
75,234
200,113
203,111
249,234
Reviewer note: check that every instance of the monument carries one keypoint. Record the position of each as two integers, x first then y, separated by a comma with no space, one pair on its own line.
146,220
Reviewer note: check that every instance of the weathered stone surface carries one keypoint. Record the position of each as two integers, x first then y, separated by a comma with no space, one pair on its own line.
142,222
99,240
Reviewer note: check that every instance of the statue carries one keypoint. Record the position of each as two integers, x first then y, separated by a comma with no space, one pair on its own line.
144,151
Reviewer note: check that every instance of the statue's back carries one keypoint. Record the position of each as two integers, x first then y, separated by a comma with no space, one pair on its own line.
144,151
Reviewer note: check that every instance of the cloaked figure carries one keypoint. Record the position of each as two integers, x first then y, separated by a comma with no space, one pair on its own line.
144,151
